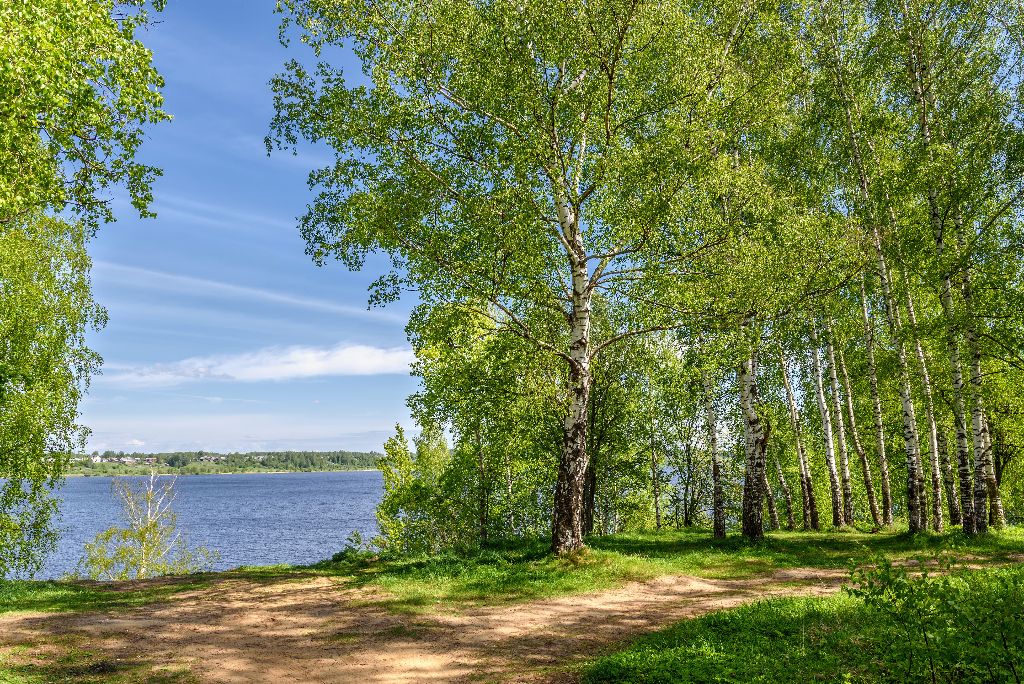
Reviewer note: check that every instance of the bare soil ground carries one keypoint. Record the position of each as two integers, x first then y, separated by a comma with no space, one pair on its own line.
313,629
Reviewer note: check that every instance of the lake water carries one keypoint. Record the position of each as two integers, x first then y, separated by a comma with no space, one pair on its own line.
257,519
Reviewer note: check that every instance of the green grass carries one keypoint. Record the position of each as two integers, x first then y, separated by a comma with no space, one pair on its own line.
524,570
67,658
834,639
781,640
60,596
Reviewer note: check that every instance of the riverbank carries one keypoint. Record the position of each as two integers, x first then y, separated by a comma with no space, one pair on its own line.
503,613
143,471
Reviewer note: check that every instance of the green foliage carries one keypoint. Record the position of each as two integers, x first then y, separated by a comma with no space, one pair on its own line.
965,627
421,510
46,308
953,627
149,545
76,91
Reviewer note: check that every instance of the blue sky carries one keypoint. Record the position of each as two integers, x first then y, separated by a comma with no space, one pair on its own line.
223,335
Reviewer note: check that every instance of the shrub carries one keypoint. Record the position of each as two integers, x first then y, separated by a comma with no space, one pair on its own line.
959,626
150,545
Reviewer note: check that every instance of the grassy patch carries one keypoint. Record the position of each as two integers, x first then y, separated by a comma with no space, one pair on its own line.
67,658
838,639
62,596
524,570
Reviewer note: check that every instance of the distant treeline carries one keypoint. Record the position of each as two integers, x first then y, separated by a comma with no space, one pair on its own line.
252,461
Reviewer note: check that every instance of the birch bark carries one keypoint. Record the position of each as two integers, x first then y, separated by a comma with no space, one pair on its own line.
840,430
869,485
826,423
769,496
567,525
977,408
759,430
949,480
892,311
810,507
929,408
971,524
876,404
906,398
997,518
963,448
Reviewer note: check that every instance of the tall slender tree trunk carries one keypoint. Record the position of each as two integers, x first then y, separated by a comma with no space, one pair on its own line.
787,495
929,408
567,523
876,404
948,479
906,398
826,423
891,309
769,496
977,406
717,498
760,430
810,506
869,486
589,498
840,429
973,521
997,518
963,447
484,487
655,481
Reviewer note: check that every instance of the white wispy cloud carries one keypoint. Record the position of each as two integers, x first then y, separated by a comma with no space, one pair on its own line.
143,277
271,363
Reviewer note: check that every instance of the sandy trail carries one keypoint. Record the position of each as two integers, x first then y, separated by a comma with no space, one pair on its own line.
315,630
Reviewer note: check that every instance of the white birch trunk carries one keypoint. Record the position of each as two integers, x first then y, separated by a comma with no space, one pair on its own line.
949,480
906,398
997,518
977,407
840,430
892,314
826,423
567,522
810,507
753,491
929,407
869,485
918,90
963,447
787,495
876,405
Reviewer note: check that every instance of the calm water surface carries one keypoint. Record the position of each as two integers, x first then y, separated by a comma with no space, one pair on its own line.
257,519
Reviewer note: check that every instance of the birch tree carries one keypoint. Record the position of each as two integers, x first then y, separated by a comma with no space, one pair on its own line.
46,309
519,159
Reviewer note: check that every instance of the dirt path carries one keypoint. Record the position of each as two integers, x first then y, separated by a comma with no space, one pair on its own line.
313,630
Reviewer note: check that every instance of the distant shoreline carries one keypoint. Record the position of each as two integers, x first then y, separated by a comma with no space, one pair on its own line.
248,472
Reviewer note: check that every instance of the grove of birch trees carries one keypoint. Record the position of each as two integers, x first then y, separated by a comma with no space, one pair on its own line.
735,264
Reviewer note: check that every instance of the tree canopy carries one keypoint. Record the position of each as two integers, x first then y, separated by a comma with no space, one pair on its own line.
77,89
46,308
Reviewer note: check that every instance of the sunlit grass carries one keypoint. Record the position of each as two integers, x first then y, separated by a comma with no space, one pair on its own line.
832,639
525,570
